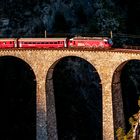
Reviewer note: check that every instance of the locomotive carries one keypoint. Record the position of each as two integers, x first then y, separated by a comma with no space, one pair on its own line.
75,42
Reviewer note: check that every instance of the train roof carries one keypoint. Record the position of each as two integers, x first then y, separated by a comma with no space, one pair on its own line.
41,39
7,39
88,38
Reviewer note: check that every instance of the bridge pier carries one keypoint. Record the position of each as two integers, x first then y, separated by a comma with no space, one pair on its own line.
41,125
108,126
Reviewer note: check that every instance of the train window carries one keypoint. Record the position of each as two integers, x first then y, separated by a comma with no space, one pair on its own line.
110,41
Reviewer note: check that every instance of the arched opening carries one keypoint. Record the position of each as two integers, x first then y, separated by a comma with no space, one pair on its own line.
126,91
76,95
17,99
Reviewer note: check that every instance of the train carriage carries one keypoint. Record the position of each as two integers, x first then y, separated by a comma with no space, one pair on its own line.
42,42
8,42
90,42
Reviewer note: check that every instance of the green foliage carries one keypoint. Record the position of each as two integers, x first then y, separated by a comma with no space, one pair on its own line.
92,26
133,122
120,133
122,136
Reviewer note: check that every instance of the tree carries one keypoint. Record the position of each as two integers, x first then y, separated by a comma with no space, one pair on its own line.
134,132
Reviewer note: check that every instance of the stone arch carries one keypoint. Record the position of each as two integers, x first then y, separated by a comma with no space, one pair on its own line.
18,94
118,99
51,103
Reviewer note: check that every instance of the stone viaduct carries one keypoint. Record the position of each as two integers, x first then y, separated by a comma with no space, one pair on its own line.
108,65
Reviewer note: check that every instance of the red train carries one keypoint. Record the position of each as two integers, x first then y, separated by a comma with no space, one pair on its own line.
76,42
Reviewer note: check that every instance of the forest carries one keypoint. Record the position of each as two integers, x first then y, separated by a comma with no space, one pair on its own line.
31,18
